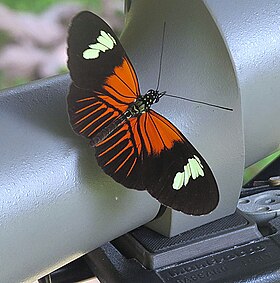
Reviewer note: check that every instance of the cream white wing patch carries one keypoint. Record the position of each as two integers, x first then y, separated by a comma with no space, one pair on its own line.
105,41
193,169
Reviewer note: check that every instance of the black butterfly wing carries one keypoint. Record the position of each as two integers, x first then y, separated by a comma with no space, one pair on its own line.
149,153
88,30
104,82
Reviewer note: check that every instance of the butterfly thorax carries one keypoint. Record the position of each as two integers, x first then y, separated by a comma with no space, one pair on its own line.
143,103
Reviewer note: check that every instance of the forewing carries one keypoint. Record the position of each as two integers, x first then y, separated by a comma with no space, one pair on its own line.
185,182
104,81
86,30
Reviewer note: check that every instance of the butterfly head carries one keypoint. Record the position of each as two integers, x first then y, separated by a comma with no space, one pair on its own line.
152,96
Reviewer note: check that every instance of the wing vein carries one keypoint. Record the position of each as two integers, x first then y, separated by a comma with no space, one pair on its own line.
126,83
122,164
114,89
163,120
151,117
133,75
149,140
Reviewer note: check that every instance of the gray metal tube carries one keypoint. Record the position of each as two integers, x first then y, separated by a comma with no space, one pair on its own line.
56,203
196,64
251,32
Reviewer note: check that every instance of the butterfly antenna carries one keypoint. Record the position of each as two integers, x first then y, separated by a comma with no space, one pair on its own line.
179,97
200,102
161,55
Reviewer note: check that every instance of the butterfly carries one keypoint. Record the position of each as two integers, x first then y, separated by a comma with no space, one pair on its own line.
134,144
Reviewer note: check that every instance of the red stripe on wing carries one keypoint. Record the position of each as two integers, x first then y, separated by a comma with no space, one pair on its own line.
91,113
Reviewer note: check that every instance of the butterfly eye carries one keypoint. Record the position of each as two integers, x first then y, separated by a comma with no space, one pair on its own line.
150,91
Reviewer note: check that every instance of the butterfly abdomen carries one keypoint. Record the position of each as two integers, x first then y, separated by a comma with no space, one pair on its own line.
105,132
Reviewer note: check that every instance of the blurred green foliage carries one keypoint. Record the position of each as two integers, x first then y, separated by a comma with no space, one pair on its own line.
4,38
251,171
41,5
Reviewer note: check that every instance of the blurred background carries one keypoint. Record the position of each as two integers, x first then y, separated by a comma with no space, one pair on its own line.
33,35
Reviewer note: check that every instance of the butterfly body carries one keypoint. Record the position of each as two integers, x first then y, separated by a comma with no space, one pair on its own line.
133,144
144,102
141,105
